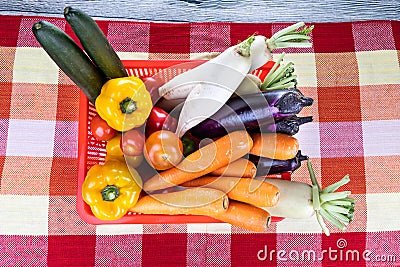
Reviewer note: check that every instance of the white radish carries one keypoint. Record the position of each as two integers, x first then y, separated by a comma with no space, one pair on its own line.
201,103
258,48
301,200
295,201
207,96
259,52
234,61
262,47
250,85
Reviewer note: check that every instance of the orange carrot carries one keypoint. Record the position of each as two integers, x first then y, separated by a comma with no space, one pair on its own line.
203,161
245,216
275,146
251,191
193,201
239,168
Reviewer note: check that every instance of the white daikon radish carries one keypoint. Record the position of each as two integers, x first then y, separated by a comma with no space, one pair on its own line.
227,69
258,48
201,103
250,85
300,200
261,51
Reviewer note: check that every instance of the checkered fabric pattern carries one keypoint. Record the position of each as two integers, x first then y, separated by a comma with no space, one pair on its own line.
352,71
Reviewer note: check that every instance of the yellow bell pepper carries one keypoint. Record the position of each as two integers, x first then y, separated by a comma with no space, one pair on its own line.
111,189
124,103
113,149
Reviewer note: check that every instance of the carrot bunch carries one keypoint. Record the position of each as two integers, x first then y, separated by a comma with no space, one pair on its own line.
217,181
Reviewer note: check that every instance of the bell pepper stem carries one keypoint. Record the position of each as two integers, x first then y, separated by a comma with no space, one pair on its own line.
128,106
110,193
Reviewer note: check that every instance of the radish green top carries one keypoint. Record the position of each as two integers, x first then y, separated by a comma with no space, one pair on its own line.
291,37
335,207
280,76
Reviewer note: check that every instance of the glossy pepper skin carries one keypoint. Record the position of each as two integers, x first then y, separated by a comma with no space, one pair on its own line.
124,103
160,120
111,189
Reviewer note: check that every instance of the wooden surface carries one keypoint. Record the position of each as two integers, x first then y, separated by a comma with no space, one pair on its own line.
216,10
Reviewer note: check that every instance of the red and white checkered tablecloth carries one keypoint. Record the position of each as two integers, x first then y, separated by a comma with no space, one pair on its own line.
353,74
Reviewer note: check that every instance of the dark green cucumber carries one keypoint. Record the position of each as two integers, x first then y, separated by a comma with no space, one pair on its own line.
95,43
70,58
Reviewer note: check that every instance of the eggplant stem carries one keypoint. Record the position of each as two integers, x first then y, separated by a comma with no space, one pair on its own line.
303,120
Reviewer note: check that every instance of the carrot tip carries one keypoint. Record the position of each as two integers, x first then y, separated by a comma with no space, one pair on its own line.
277,197
225,203
268,221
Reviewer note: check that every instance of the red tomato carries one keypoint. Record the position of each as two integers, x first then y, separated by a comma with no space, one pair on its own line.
101,130
163,150
132,142
159,120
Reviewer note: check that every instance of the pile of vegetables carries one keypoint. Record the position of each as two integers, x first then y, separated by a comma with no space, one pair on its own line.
210,141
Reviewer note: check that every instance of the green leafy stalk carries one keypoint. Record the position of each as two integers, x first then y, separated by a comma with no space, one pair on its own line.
335,186
291,36
335,222
321,222
342,218
280,76
315,200
335,207
244,47
312,174
325,197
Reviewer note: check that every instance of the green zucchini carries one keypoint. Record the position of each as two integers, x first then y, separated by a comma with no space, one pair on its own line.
70,58
95,43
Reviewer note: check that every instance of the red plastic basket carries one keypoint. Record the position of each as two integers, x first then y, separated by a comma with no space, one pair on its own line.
92,151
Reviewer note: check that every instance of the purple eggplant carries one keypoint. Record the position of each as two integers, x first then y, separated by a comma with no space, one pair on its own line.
290,125
267,166
252,111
